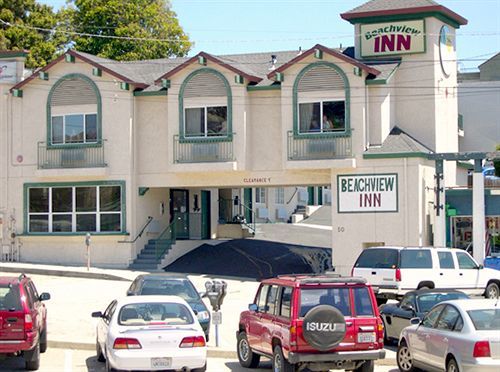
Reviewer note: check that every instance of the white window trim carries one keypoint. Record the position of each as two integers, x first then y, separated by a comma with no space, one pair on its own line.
260,196
84,114
320,114
73,212
280,196
205,129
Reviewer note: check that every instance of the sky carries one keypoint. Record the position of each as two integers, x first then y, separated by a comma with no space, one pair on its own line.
241,26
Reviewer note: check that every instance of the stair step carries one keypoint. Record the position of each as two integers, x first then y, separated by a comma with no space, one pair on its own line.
143,267
147,260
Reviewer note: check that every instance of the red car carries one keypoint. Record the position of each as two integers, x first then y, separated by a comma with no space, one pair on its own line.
320,322
23,320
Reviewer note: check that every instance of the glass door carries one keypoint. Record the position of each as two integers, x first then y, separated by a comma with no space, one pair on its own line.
179,210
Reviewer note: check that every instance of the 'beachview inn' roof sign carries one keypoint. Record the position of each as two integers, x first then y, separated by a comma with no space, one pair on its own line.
383,39
358,193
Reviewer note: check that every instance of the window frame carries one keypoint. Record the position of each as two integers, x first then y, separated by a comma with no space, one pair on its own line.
64,143
98,212
279,195
321,103
205,110
260,195
98,112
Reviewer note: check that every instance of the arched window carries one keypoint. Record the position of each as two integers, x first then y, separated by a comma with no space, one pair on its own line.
205,107
74,112
321,100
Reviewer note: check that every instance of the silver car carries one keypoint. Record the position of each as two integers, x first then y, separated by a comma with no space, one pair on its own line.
456,335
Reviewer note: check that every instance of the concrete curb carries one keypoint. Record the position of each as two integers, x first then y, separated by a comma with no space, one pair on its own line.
66,273
212,352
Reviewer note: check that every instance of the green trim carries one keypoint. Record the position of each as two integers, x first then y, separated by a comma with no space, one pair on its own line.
252,88
123,195
96,71
395,53
487,192
465,165
12,54
279,77
368,174
382,81
124,86
17,93
347,100
202,60
151,93
99,111
357,71
165,83
110,233
229,101
318,54
69,58
228,138
143,190
395,155
43,75
238,79
405,17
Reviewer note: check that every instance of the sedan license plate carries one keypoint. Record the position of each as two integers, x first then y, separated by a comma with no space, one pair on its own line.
366,337
161,363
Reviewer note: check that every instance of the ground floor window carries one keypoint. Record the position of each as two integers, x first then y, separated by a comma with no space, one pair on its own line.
73,209
260,195
280,195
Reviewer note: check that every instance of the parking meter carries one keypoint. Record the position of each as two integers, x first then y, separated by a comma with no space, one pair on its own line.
216,291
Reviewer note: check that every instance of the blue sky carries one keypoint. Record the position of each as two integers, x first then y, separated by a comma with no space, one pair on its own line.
239,26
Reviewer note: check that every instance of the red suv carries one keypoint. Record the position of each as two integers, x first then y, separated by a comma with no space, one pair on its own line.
23,320
320,322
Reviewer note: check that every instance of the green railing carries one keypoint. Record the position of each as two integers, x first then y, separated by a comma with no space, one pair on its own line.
310,147
76,156
165,240
203,150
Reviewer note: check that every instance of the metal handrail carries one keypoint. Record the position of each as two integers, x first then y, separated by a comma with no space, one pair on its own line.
168,234
250,225
140,233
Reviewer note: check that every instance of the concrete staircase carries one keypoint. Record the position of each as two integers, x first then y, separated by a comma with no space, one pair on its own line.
152,255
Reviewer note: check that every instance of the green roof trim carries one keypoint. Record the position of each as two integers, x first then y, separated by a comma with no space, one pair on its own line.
382,81
405,17
12,54
252,88
465,165
395,155
151,93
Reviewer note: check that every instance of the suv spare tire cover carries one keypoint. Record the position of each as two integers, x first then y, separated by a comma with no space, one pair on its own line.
323,327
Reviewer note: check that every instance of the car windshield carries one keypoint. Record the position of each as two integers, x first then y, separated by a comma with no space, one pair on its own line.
154,313
181,288
426,301
9,298
378,258
485,319
338,297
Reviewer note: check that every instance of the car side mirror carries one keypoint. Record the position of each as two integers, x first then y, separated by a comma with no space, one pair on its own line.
253,307
202,294
480,267
97,314
415,321
130,293
44,296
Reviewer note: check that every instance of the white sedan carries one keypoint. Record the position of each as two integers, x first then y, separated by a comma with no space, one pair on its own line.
454,336
147,333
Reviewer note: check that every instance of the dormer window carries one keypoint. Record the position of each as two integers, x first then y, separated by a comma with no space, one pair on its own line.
206,121
321,117
74,128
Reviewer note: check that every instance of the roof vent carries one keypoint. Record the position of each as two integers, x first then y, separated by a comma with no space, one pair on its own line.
273,62
300,51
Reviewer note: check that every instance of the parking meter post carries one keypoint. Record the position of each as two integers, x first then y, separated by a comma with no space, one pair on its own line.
87,243
216,291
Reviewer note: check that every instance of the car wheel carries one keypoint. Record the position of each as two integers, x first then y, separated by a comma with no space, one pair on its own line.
404,359
492,291
280,364
43,340
368,366
452,365
98,351
32,358
202,369
246,356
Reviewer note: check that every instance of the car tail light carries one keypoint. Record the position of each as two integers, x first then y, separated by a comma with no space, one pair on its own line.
380,332
194,341
398,275
127,343
28,322
481,349
293,334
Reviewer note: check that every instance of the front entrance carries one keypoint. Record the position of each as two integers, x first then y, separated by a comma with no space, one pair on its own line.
205,214
179,210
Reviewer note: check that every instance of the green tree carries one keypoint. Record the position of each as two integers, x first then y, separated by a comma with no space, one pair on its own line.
143,19
23,18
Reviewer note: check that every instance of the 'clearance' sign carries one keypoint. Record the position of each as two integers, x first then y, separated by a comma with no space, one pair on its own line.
367,193
382,39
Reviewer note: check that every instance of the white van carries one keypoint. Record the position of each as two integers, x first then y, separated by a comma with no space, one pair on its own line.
393,271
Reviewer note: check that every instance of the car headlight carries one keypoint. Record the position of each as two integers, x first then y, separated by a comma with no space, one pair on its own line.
203,315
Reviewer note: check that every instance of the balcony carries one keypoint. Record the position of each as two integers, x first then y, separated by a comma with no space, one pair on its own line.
312,147
204,150
71,156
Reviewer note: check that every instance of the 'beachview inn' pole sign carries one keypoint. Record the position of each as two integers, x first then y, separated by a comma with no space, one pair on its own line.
383,39
358,193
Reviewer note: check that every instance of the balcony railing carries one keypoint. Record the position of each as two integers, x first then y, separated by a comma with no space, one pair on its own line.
204,150
79,156
310,148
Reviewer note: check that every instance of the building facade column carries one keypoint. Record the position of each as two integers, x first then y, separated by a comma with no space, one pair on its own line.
440,217
478,220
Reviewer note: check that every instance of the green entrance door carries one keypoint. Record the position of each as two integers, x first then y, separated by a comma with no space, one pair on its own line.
205,214
247,194
310,194
179,210
320,195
